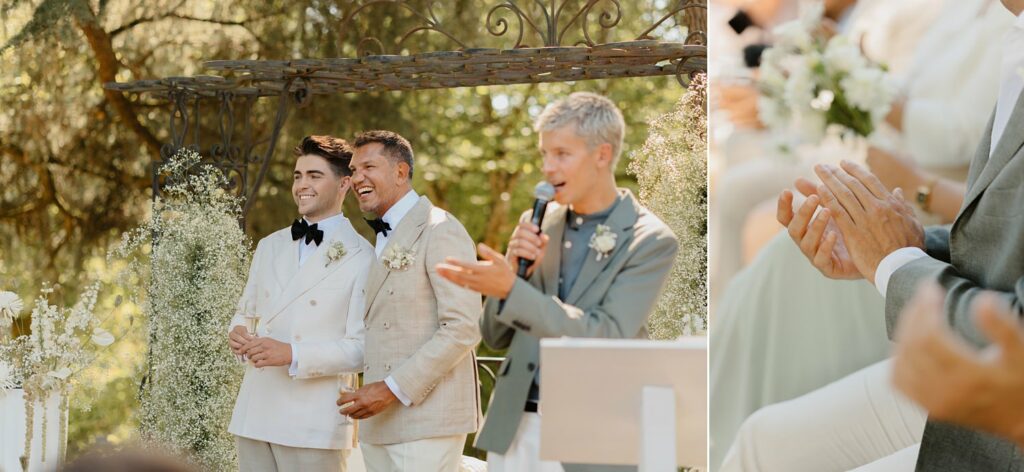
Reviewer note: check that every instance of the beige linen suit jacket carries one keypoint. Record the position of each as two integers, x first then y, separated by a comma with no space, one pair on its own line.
612,298
318,309
422,330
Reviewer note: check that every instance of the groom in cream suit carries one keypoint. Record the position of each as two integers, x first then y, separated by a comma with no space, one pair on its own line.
600,263
306,283
420,397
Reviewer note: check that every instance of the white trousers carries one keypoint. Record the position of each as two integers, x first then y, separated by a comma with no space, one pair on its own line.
859,420
443,454
261,456
523,455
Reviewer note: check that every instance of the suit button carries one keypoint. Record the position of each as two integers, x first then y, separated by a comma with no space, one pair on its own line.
387,367
366,368
531,366
298,338
312,302
268,331
387,325
391,292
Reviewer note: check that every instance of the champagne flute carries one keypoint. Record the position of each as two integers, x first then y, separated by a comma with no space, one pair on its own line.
252,323
345,386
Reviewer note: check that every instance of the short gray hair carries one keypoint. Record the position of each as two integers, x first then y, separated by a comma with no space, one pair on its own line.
597,120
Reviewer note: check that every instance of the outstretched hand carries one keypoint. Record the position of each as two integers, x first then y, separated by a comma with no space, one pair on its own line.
493,276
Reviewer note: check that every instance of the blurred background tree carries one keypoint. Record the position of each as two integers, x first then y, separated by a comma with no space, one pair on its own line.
75,159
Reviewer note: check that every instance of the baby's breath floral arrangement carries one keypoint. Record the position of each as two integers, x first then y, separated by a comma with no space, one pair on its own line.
61,342
193,258
671,170
398,258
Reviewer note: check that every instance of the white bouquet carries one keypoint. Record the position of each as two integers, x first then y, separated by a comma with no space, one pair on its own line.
811,85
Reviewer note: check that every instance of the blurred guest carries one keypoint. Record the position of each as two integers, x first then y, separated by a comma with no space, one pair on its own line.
980,389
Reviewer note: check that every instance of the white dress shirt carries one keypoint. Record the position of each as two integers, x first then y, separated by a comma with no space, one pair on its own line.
393,217
328,226
1011,85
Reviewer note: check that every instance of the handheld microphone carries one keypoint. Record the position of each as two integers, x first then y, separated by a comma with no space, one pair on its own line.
543,193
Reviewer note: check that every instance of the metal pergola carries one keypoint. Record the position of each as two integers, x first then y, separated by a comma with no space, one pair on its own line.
245,156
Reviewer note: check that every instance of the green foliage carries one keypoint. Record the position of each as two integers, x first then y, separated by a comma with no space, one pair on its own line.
671,168
75,174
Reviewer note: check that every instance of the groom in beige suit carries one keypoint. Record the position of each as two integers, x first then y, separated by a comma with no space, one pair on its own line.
306,283
601,260
420,397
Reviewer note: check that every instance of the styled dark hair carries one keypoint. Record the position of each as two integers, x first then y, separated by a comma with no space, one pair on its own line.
336,151
396,147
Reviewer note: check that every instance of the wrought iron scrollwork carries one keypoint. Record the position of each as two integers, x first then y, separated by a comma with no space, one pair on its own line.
550,30
373,45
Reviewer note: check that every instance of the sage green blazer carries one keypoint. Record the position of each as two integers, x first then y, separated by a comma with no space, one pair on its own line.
612,298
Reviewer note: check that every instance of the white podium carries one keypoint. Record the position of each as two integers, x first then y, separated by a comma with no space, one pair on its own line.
625,402
12,433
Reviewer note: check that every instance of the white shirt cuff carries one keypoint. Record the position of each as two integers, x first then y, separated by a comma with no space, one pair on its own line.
893,262
390,382
293,369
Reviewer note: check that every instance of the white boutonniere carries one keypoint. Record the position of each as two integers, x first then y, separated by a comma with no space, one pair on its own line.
603,241
335,252
398,258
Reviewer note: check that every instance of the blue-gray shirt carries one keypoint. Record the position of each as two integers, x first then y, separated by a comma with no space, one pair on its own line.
575,249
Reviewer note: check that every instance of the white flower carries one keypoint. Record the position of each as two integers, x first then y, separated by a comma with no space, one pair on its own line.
102,337
868,89
823,102
6,376
10,308
603,241
799,90
398,258
62,373
335,252
772,113
842,55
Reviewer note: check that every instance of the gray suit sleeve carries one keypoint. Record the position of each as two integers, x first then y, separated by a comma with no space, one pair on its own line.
621,314
497,335
960,291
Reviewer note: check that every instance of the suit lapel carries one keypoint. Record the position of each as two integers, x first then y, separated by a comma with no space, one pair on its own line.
620,221
1009,143
551,266
317,267
405,235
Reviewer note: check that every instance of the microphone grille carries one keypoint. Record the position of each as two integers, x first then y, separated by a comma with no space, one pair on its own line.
544,191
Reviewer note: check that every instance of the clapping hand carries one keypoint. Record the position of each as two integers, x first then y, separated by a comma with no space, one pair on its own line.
816,235
953,381
873,221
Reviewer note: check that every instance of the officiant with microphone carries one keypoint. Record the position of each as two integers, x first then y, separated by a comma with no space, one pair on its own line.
595,263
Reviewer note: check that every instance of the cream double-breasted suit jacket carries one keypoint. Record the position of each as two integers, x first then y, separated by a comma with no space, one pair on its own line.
318,309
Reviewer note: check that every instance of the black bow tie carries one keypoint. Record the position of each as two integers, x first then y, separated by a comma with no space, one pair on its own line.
302,229
379,226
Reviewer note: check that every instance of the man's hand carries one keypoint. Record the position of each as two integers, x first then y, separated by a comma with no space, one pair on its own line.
527,243
238,338
263,352
493,276
955,383
873,221
819,240
368,401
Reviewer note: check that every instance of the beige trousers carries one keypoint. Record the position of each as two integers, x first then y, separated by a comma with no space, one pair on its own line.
857,421
443,454
261,456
